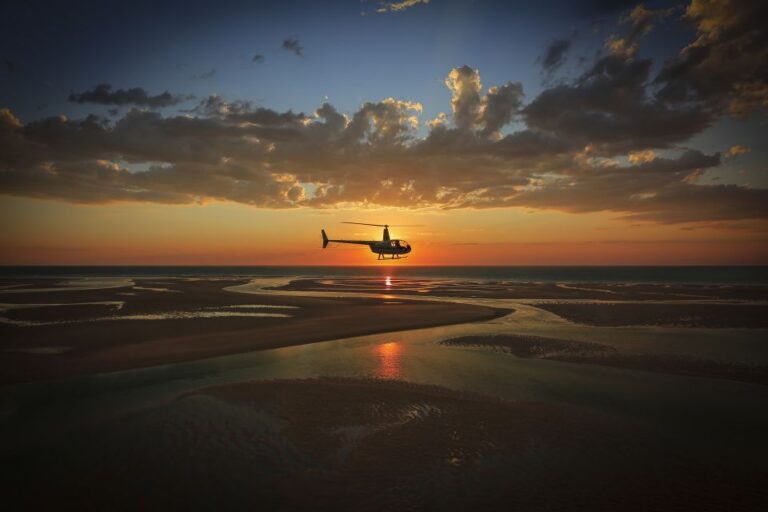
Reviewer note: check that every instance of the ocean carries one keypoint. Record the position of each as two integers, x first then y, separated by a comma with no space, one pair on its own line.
719,275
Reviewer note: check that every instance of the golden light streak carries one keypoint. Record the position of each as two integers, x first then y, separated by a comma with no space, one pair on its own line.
389,357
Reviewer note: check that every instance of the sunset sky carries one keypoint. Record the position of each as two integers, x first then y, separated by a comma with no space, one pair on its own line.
519,133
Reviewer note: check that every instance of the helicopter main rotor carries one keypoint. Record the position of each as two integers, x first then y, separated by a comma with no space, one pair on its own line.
386,225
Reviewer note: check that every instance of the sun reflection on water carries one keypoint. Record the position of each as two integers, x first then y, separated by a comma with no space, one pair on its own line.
388,282
389,357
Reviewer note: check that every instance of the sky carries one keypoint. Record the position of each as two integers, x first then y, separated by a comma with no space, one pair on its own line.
494,132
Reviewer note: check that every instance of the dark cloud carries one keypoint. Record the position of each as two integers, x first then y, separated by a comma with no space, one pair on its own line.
244,112
205,76
215,105
608,107
499,106
292,45
726,67
258,58
11,66
690,160
555,54
663,190
640,22
103,94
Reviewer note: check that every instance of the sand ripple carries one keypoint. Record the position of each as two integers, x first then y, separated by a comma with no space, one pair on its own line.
350,444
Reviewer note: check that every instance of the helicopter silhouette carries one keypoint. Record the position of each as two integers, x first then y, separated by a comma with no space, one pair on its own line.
396,249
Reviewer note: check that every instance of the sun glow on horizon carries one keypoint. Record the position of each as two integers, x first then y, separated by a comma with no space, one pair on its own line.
39,232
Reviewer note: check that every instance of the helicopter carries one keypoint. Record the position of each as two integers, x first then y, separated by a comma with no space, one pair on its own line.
395,249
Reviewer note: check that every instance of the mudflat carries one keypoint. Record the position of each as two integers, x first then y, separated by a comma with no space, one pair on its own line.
62,331
360,444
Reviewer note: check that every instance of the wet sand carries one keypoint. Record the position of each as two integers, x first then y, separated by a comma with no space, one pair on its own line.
62,332
356,444
708,315
580,352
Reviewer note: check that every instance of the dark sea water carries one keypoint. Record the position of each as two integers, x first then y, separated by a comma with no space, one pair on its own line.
741,275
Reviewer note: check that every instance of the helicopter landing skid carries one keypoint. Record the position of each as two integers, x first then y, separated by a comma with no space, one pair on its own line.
393,257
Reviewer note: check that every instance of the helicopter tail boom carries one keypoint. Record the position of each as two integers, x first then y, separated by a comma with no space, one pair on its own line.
326,240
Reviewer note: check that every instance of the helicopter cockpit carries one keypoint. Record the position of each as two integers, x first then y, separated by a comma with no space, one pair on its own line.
401,244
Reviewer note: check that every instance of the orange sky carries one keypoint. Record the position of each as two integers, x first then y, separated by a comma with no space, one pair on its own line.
42,232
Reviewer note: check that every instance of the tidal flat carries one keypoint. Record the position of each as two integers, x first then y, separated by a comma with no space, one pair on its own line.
291,393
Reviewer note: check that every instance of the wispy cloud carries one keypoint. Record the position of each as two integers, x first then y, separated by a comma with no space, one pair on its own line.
103,94
399,6
293,45
554,55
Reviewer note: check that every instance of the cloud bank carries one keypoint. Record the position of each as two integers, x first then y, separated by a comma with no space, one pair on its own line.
612,139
